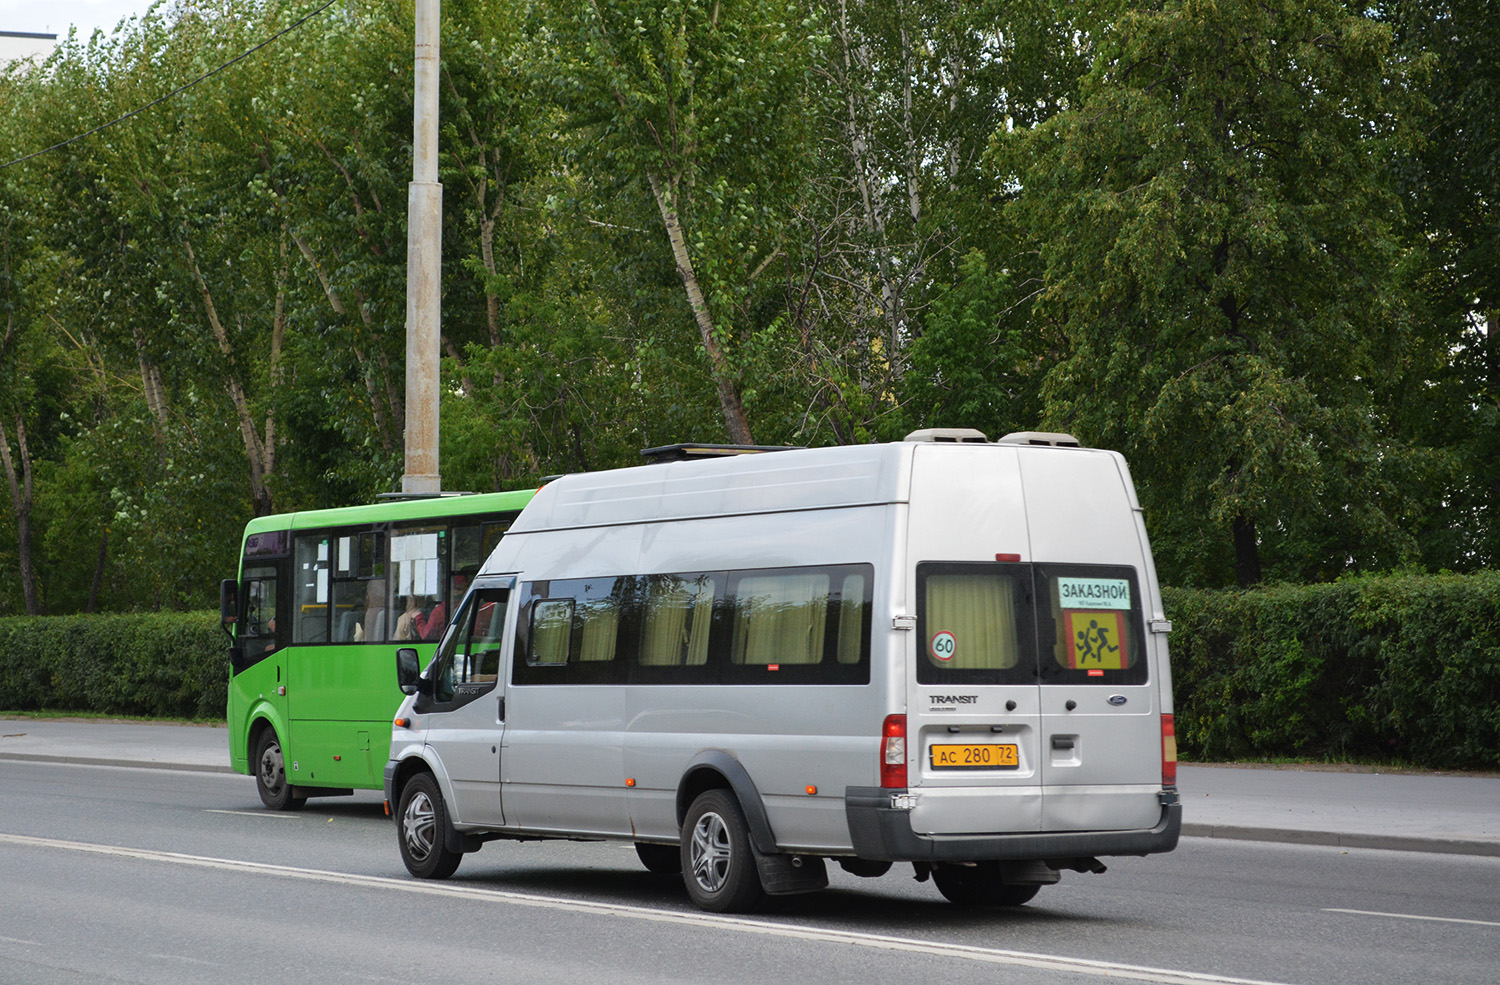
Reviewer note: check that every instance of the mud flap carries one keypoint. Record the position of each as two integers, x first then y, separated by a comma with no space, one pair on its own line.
784,875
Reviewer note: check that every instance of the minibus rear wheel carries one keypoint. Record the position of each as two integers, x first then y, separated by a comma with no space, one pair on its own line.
980,885
421,828
718,865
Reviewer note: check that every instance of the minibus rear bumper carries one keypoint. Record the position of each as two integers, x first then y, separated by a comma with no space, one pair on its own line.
882,831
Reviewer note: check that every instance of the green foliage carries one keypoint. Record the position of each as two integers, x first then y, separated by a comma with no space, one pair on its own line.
1403,668
1250,244
1221,244
167,665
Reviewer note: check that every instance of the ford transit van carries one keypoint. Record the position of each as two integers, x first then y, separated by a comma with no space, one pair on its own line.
945,652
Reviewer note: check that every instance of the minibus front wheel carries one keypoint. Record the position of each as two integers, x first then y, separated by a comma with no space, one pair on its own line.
421,828
718,864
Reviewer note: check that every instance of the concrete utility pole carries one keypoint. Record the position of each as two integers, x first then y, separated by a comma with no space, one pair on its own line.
424,263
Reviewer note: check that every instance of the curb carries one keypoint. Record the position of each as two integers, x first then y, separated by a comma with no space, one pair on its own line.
1345,839
25,757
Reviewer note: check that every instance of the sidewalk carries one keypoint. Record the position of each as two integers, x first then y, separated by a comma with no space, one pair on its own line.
104,743
1310,806
1367,809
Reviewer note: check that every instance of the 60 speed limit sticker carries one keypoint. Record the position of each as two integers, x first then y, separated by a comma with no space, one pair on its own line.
942,646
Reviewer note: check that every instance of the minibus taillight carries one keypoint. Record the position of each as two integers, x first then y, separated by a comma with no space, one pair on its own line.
1168,752
893,752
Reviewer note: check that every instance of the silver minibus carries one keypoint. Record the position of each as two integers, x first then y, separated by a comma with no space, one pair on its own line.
946,652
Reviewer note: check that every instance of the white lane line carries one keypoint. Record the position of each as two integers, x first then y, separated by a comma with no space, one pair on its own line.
279,815
185,958
17,940
1022,959
1412,916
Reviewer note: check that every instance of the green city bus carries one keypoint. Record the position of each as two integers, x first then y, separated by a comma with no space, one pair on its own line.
323,600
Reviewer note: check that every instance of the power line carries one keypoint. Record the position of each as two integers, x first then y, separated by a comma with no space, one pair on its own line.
182,88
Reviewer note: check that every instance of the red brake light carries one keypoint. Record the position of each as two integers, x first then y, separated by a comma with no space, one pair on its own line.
893,752
1168,751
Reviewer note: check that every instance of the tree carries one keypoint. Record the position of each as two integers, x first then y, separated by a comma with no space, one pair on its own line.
1452,184
1219,234
702,103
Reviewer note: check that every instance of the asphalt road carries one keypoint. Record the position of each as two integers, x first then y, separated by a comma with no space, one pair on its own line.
143,875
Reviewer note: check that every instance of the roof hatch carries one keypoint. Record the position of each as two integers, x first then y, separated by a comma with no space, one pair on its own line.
950,436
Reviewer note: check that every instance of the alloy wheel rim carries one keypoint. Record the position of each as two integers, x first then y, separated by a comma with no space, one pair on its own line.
417,826
710,852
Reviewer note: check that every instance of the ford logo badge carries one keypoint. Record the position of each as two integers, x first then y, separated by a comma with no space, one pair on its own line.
1117,699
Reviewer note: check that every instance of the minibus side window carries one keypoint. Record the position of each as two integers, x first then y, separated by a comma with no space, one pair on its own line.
677,617
779,618
853,619
468,664
798,625
551,632
765,626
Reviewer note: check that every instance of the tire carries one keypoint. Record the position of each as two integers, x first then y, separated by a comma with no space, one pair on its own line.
718,865
980,885
662,860
270,774
421,827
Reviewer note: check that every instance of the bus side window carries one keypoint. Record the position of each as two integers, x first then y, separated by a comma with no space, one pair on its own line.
310,616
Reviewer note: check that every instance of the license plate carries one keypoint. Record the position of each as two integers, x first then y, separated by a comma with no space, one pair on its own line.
975,756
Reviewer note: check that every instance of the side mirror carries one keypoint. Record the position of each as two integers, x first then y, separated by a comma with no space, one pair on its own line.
408,670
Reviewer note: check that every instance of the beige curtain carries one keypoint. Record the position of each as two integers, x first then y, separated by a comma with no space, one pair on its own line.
601,625
779,619
851,619
551,631
678,617
980,611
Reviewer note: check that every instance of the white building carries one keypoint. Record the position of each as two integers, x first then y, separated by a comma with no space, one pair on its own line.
19,44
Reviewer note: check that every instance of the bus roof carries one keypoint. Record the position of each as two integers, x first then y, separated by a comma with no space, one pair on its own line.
430,507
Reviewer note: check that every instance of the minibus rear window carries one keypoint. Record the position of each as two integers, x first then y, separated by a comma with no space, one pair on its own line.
975,624
1089,618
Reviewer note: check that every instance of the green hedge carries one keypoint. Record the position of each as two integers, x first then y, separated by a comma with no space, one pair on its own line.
161,665
1403,669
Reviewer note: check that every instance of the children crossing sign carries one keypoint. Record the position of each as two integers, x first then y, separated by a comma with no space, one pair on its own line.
1093,617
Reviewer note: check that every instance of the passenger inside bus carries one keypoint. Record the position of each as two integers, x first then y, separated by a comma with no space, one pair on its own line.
372,628
431,625
408,627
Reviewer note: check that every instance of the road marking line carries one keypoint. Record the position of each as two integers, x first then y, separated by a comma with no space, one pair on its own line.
279,815
184,957
1022,959
17,940
1412,916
